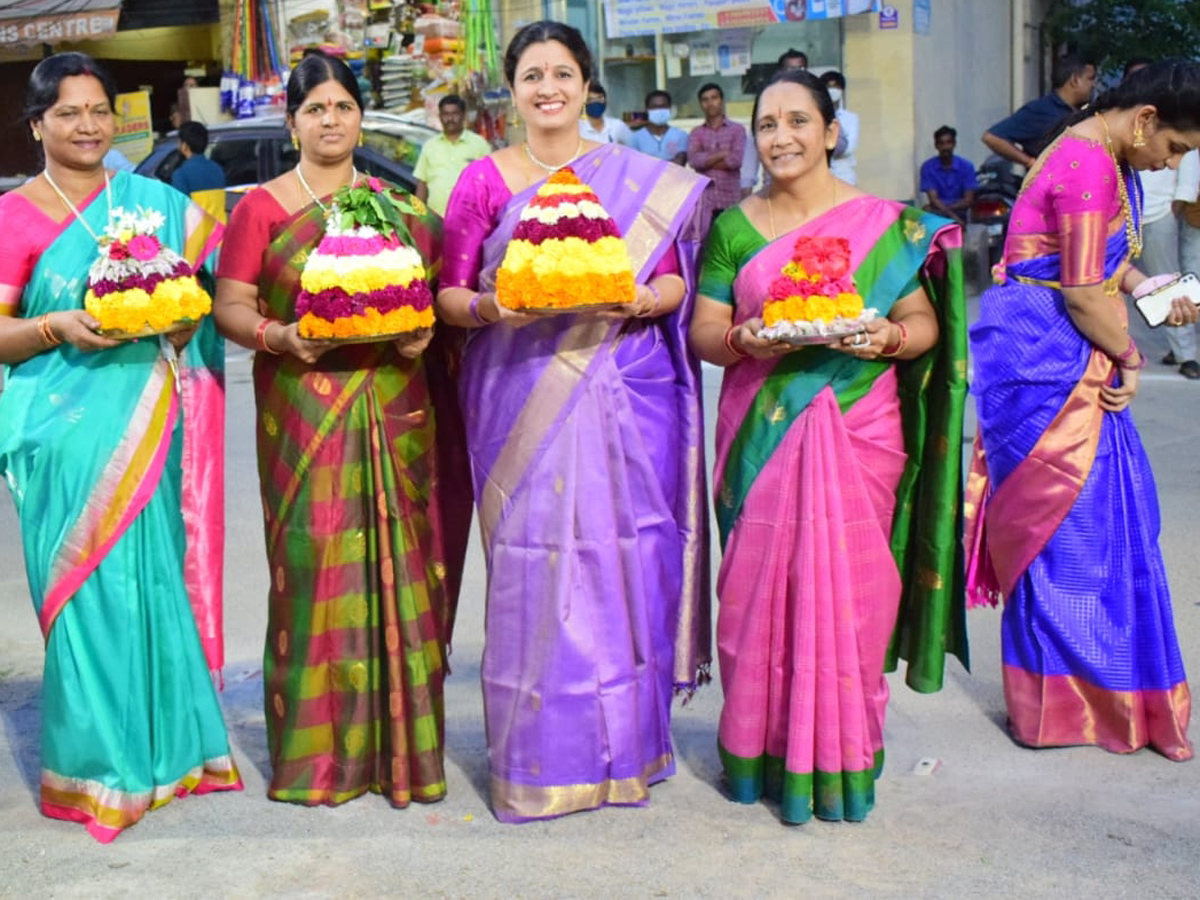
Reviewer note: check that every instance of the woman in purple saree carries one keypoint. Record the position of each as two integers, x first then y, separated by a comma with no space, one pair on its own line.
1063,521
585,439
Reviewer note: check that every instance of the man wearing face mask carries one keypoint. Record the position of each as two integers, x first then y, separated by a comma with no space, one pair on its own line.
660,138
843,163
596,126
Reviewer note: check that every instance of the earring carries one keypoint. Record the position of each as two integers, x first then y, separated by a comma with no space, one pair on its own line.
295,141
37,136
1139,139
361,139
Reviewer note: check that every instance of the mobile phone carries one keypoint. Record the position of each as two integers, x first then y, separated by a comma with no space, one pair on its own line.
1155,307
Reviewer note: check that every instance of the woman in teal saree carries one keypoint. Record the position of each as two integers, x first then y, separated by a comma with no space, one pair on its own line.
120,510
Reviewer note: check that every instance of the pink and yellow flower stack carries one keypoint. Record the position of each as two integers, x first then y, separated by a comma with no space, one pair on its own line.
138,287
362,281
565,253
814,293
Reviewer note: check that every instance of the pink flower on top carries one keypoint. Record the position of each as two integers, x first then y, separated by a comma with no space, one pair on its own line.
375,184
144,247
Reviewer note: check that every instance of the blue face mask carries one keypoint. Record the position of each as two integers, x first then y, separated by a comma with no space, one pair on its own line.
659,116
596,109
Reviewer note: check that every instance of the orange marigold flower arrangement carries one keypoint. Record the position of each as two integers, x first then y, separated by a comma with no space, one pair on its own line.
139,287
814,294
566,252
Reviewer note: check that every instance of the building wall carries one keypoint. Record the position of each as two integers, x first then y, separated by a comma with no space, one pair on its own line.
904,85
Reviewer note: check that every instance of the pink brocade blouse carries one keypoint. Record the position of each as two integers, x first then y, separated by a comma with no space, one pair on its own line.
1070,205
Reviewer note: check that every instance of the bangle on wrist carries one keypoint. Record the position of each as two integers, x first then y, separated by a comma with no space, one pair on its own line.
46,332
1131,358
473,309
901,343
657,298
730,346
260,336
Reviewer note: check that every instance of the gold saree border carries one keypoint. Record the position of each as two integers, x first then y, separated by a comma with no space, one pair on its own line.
528,801
1067,710
1025,511
117,487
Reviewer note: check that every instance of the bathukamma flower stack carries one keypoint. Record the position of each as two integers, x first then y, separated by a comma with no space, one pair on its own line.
138,287
363,281
566,252
814,293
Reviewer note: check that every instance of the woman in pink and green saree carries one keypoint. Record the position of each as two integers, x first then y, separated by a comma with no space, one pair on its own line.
359,613
837,476
106,447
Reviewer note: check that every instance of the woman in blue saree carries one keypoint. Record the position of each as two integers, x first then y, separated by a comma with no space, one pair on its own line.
585,439
120,508
1062,517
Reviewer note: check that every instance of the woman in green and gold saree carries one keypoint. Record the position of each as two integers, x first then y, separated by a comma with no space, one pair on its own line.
359,613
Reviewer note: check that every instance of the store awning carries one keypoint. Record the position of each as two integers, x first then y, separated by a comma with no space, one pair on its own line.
28,22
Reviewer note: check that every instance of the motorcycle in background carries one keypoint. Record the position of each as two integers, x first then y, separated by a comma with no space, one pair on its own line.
994,199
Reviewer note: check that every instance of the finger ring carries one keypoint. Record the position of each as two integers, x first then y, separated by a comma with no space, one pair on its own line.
861,340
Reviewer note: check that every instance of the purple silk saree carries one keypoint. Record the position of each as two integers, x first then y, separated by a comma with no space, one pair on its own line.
585,438
1063,515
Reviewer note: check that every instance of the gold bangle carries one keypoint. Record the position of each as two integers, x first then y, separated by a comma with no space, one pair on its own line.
46,330
900,344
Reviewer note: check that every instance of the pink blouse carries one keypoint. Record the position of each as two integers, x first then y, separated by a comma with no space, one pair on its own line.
1070,205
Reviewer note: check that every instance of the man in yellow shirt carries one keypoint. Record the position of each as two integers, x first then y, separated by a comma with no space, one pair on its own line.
444,157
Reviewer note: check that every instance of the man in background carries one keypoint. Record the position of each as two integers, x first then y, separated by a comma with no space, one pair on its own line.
596,126
1186,206
716,150
793,59
444,156
660,138
843,163
1021,137
197,172
948,181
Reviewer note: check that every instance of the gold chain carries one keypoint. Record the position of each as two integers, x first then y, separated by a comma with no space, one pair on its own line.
311,193
75,209
771,209
1132,231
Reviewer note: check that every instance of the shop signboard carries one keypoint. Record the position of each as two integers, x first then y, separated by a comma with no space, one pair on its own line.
629,18
32,22
134,136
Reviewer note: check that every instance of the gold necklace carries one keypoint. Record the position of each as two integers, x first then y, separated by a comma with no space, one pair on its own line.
549,168
74,209
1132,232
311,193
771,209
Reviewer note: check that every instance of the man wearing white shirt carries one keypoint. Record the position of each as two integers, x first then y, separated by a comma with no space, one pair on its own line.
596,126
1186,206
1160,256
843,163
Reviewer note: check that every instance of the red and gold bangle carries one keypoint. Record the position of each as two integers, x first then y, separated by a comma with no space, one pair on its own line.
260,336
1125,360
900,344
46,331
729,345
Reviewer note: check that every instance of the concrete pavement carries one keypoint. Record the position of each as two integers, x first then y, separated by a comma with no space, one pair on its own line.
961,811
